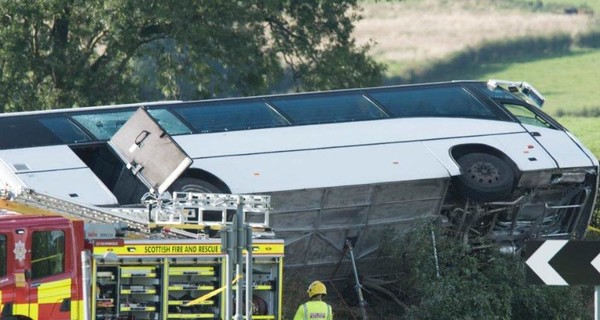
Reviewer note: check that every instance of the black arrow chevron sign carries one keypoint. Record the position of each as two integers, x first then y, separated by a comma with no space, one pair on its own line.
563,262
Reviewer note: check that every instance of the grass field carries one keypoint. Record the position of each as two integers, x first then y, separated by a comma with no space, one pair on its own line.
569,83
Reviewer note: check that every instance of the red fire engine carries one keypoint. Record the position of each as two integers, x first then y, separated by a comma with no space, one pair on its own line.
55,267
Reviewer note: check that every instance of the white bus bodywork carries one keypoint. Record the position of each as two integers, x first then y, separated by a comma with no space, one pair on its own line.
334,181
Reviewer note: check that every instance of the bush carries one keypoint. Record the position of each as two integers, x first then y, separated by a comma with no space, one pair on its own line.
472,284
462,283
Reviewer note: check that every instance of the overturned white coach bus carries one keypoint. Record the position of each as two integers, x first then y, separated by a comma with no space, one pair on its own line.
345,164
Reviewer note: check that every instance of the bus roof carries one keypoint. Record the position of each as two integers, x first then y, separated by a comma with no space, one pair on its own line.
168,102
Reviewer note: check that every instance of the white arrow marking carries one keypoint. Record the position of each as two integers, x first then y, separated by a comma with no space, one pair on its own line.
596,262
538,262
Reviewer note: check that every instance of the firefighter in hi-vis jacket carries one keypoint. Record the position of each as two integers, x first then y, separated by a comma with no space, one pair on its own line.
315,308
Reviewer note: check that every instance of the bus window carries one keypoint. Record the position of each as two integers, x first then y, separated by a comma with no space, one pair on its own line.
47,253
25,132
230,116
432,102
65,130
495,92
2,255
526,116
103,125
327,109
169,122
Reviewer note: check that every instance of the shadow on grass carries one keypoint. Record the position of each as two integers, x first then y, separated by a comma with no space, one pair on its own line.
491,57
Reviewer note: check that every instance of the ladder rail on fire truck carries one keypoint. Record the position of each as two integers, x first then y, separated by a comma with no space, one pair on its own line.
178,213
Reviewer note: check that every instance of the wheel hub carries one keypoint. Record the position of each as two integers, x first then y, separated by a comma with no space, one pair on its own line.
484,173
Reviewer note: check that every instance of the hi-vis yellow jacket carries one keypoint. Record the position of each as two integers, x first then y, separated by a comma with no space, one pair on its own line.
314,310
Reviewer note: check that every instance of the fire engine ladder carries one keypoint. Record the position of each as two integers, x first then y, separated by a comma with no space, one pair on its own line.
182,212
137,224
192,211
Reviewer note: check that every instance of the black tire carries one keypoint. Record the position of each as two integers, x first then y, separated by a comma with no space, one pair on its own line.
485,177
187,184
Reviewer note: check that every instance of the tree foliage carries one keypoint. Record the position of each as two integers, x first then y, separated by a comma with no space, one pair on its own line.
63,53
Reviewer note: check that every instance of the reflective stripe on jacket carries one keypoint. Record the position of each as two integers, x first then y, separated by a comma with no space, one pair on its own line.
314,310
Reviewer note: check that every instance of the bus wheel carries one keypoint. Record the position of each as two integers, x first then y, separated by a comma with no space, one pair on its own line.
187,184
485,177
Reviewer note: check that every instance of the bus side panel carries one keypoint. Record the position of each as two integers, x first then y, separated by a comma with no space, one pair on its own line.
339,135
56,171
587,151
354,153
325,167
562,148
9,179
77,185
521,148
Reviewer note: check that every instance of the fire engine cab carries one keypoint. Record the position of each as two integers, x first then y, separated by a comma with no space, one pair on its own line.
68,266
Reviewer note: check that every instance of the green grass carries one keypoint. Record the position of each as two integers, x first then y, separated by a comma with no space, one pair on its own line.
569,83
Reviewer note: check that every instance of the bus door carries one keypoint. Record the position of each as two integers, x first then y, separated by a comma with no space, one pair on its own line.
555,141
149,151
51,273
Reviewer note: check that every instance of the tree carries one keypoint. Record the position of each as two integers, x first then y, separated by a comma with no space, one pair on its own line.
66,53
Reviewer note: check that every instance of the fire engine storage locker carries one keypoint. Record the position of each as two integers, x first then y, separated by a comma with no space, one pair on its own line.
187,281
155,279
